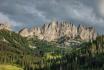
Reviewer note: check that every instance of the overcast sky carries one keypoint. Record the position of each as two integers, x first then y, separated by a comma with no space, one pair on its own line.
28,13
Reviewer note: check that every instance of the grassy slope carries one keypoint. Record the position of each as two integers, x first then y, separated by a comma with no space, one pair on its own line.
9,67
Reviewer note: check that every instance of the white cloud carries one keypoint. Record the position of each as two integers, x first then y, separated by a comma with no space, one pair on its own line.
34,12
30,9
4,19
84,13
101,7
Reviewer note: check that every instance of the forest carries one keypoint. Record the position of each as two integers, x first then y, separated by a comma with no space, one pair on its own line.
43,55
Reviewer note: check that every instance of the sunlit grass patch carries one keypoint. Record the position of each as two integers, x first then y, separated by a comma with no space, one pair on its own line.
9,67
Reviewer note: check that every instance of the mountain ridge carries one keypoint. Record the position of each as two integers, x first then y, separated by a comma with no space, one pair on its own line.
55,30
14,49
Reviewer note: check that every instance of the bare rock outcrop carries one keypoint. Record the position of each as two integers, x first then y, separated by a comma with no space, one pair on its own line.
5,26
55,30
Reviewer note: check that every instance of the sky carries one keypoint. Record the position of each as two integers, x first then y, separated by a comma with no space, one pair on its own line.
29,13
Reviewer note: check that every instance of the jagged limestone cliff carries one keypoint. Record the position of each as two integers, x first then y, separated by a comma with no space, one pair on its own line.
55,30
5,26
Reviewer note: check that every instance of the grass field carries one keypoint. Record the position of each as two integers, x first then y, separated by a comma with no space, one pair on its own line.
9,67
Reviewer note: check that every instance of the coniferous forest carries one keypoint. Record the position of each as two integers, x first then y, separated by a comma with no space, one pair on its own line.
15,50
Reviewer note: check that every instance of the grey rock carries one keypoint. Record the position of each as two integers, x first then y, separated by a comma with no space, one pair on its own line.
55,30
5,26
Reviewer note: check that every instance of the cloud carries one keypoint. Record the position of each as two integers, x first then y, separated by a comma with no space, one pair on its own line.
101,7
4,19
23,11
36,12
81,12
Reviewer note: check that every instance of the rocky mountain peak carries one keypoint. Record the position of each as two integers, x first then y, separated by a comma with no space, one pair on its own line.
55,30
5,26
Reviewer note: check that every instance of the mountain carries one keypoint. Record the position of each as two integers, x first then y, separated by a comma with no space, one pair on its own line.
56,30
15,49
5,26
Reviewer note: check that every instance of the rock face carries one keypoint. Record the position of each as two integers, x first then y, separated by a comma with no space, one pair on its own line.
56,30
5,26
87,33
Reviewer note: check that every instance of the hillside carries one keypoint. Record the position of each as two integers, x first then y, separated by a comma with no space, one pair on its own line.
88,56
9,67
14,49
35,54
